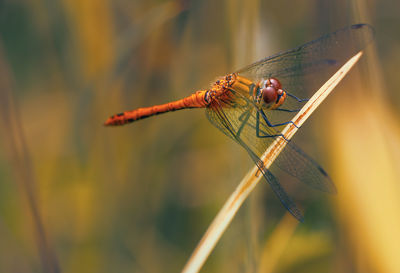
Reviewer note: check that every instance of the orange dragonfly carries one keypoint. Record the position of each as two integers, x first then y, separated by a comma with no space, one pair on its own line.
252,105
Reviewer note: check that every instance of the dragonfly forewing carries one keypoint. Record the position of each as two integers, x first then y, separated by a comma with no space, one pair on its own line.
304,69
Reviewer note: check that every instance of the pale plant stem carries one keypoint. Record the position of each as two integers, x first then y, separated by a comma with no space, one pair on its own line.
232,205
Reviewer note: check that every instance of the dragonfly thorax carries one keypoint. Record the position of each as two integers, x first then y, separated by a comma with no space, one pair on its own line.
219,88
267,91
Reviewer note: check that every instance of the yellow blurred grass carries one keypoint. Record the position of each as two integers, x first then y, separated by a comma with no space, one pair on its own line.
93,25
276,244
366,166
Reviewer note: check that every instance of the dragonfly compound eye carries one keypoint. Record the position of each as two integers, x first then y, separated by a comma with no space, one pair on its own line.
269,94
274,82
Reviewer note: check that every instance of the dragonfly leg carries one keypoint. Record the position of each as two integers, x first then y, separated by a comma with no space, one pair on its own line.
244,117
287,110
296,98
265,135
275,125
245,113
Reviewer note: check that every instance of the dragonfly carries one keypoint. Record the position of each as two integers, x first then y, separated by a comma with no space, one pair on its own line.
254,104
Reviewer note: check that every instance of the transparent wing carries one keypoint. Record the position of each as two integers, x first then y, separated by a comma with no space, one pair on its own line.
240,119
217,116
304,69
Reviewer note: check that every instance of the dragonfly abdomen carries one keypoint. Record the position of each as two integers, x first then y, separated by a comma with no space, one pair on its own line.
196,100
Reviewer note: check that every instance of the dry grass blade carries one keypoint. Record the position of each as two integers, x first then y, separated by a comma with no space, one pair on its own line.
232,205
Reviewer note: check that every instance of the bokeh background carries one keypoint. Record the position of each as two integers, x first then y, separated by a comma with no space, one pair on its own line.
78,197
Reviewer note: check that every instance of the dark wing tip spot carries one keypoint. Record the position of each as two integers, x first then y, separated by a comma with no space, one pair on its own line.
329,187
369,31
331,62
119,115
322,171
297,214
357,26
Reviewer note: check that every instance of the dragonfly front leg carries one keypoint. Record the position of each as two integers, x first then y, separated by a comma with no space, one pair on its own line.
296,98
289,110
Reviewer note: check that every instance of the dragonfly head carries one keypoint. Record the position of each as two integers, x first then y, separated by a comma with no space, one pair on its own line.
272,93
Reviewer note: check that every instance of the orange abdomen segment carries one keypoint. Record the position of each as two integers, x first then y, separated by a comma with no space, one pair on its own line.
196,100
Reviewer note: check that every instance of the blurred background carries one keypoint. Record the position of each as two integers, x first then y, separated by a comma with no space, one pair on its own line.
76,196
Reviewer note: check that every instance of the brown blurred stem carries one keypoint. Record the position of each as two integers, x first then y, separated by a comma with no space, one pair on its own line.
19,158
